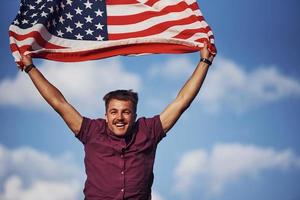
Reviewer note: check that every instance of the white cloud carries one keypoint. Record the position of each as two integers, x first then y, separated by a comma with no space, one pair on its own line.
27,174
228,84
173,68
228,163
83,84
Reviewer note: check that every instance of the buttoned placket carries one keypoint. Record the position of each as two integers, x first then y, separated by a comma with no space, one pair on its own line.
122,173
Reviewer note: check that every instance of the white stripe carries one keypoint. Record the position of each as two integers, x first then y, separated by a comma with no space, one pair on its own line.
123,10
175,30
114,29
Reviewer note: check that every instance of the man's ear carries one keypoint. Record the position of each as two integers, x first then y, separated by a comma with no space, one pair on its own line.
106,117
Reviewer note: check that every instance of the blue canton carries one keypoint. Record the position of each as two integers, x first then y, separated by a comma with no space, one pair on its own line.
71,19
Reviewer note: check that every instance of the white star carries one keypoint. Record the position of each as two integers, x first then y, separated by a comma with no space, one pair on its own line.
78,11
24,21
57,8
62,5
51,9
78,24
88,19
99,38
48,24
34,23
38,1
78,36
54,22
61,19
88,4
43,14
99,13
33,15
25,13
69,29
59,33
99,26
89,32
43,6
69,16
69,2
31,7
16,22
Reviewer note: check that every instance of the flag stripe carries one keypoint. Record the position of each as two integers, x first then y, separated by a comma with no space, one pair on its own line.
135,18
155,29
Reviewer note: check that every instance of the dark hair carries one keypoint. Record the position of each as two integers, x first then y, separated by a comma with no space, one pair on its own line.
124,95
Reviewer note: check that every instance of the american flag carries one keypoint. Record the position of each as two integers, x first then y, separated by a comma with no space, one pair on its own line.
78,30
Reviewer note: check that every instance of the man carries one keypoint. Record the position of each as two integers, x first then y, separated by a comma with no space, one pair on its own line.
120,150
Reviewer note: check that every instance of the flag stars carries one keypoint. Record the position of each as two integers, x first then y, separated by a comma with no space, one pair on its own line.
33,15
78,11
89,32
78,24
31,7
16,22
61,19
24,21
78,36
69,29
51,9
60,33
43,14
88,19
99,13
54,22
34,23
42,7
69,2
69,16
99,38
62,5
99,26
88,4
38,1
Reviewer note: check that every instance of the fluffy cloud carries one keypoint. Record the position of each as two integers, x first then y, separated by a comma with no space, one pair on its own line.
226,163
27,174
83,84
229,85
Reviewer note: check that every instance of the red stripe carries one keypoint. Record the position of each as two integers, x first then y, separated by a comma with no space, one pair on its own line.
135,18
151,2
190,32
153,30
37,37
120,50
121,2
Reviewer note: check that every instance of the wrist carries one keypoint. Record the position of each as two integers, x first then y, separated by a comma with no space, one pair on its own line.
28,68
206,60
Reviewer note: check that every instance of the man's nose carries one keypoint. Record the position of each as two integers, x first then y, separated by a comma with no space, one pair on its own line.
120,116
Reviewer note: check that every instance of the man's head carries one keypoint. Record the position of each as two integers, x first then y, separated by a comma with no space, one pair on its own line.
120,106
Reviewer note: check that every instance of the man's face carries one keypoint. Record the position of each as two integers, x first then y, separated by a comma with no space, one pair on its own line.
120,116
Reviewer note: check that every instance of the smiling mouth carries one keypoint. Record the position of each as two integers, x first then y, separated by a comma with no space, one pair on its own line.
120,125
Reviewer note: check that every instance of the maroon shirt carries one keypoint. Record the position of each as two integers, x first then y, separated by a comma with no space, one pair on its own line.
119,168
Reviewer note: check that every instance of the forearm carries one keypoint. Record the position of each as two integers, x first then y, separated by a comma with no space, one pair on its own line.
191,88
48,91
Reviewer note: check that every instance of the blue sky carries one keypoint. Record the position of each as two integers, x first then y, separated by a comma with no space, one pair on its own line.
238,140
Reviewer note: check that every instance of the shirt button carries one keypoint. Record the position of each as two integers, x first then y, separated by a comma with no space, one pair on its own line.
122,156
122,190
122,172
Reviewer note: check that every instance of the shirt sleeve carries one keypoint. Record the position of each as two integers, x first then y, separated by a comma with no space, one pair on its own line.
156,128
89,128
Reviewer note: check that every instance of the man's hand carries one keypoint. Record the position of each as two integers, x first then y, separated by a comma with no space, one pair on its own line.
204,53
26,60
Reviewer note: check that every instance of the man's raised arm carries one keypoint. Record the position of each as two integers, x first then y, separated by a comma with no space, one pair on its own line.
53,96
187,93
